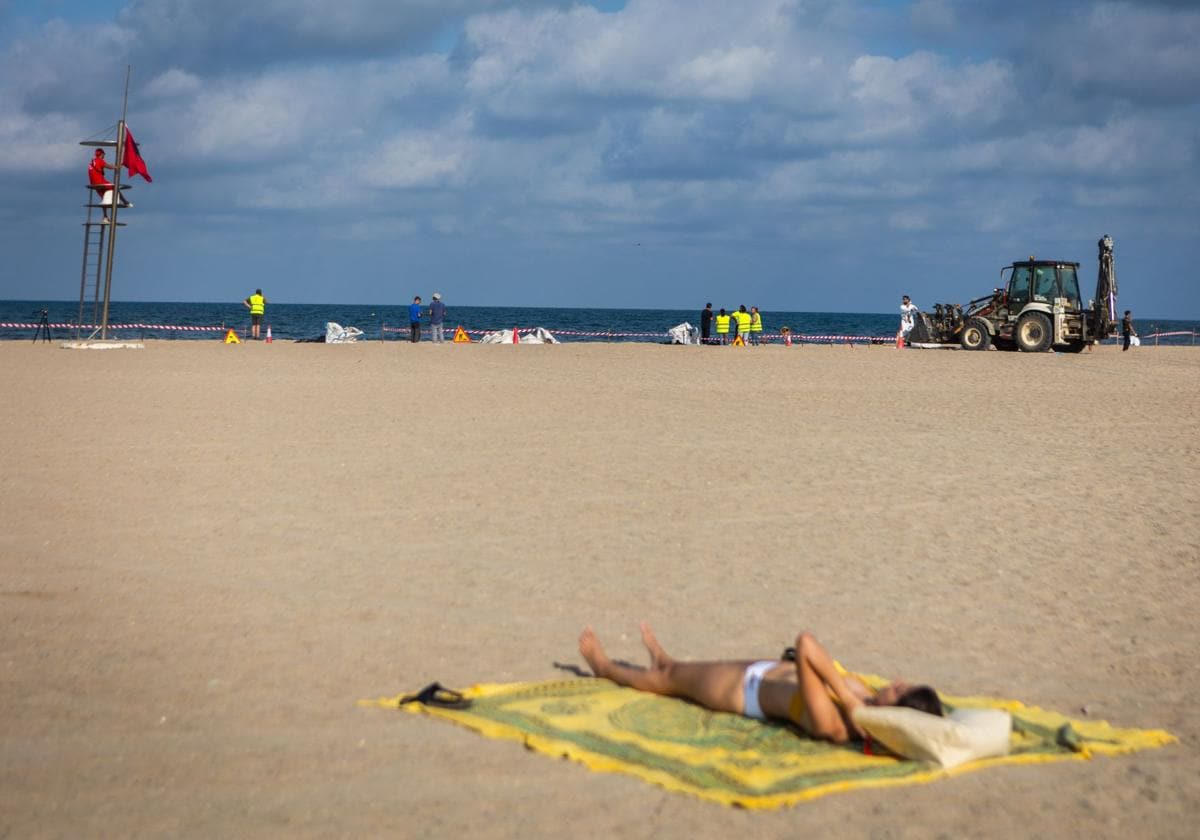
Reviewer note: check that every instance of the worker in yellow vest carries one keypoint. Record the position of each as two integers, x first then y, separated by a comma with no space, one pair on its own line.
755,325
743,323
257,304
722,327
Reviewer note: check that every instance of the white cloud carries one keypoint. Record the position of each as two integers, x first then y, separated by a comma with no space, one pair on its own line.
730,73
1136,50
698,50
415,160
921,90
174,82
49,143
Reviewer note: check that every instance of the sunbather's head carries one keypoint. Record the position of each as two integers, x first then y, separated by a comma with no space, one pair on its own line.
922,698
919,697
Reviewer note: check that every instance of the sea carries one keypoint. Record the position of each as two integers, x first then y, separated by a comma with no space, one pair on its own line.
301,321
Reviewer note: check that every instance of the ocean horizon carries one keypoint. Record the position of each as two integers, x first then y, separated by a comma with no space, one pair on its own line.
301,321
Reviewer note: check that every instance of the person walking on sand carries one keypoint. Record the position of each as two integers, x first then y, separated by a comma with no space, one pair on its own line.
755,326
706,317
908,318
257,304
414,320
812,692
1127,330
437,319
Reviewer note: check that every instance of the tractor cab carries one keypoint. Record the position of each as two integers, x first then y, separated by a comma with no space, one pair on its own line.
1043,285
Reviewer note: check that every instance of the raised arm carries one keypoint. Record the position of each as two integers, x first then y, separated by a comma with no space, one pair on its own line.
818,676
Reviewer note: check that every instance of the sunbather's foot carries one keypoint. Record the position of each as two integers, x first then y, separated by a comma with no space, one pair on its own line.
659,659
590,649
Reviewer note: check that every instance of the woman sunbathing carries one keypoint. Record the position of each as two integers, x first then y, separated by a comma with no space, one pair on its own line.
813,693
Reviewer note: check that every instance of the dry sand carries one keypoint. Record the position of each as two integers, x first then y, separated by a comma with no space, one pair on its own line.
211,552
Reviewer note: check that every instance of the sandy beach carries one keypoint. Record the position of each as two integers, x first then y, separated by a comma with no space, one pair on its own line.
210,553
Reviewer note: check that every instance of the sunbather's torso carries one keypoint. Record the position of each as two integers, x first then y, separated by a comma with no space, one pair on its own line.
780,697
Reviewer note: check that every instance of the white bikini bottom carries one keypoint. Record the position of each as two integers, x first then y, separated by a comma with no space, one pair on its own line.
751,681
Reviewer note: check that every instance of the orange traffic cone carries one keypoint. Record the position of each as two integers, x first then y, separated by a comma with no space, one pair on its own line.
516,339
899,341
269,339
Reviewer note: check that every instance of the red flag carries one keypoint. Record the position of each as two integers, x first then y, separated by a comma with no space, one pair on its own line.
134,164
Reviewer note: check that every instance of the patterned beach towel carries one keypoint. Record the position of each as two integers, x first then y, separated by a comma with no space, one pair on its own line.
732,759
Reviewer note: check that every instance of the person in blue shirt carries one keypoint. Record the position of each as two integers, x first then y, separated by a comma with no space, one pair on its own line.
414,320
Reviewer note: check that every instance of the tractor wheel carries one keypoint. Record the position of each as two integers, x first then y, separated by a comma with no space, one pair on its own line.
1033,332
975,335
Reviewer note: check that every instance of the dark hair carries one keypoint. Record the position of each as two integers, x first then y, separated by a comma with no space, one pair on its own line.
922,698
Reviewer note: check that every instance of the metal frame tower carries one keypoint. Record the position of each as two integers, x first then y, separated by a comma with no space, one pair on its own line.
99,249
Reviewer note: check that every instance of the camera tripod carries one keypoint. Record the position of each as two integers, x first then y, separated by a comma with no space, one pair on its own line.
43,328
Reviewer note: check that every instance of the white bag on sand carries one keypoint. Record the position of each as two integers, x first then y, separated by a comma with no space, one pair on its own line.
335,333
684,333
538,335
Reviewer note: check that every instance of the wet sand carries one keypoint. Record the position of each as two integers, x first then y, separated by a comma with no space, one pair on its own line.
209,553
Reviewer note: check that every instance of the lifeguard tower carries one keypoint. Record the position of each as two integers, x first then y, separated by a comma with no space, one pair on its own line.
100,242
100,234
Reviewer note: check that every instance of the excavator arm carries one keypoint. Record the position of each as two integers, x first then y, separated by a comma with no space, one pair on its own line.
1104,305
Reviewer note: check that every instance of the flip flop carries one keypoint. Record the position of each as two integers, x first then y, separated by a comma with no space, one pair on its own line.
437,695
573,669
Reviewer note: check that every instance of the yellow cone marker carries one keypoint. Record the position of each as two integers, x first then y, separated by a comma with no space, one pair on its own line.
231,338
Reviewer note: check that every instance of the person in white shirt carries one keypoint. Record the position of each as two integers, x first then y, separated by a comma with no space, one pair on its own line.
908,314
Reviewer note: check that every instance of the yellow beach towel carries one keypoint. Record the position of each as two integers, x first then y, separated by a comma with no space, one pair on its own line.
732,759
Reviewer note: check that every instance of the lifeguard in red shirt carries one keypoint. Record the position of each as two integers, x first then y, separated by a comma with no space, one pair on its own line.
100,183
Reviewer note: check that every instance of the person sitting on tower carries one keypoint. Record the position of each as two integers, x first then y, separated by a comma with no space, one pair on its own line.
100,183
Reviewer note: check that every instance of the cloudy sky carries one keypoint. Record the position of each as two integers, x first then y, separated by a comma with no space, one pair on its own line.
798,154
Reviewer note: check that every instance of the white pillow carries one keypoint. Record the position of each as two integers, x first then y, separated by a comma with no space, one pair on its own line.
967,734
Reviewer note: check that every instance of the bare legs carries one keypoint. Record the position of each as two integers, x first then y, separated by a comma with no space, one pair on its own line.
655,678
714,685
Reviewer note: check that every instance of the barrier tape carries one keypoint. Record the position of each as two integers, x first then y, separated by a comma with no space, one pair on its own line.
16,326
1176,332
796,337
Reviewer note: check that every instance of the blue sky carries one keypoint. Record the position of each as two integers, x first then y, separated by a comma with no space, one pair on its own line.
799,154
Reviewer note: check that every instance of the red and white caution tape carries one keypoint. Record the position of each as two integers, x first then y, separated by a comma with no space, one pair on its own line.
16,326
1164,334
796,337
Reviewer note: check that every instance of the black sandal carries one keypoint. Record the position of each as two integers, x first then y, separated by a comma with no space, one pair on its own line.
438,696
